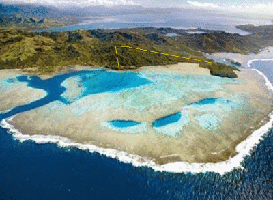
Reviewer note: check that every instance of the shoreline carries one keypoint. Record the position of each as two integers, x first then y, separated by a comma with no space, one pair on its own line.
243,148
265,54
253,60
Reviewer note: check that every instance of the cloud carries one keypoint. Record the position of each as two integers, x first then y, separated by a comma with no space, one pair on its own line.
81,3
228,6
255,8
259,8
202,5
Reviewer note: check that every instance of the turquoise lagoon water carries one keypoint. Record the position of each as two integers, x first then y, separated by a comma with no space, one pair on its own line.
124,123
145,89
207,101
126,126
161,87
156,88
53,86
45,171
168,87
208,121
167,120
7,83
217,103
110,81
215,109
139,91
171,125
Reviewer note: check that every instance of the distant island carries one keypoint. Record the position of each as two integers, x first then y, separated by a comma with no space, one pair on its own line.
21,21
31,16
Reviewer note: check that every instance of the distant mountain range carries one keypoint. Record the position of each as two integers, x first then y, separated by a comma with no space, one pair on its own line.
50,12
16,19
30,10
29,14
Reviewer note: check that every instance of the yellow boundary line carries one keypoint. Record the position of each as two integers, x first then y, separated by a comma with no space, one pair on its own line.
117,55
165,54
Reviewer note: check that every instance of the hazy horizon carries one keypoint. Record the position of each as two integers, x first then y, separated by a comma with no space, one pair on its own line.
262,7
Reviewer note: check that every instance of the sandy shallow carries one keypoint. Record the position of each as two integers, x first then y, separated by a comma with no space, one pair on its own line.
73,90
83,121
16,93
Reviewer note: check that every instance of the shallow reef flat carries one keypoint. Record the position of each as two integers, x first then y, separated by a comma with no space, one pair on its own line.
15,93
165,114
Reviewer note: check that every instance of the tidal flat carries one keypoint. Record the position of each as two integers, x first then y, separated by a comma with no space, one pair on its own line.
15,93
165,114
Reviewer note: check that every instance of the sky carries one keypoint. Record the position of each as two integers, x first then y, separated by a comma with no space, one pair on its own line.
251,6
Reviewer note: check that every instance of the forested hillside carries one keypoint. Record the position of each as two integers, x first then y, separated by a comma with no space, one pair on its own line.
48,52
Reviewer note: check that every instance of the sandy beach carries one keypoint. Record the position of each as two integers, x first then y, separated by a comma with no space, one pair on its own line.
180,68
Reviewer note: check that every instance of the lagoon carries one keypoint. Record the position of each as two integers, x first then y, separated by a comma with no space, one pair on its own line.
151,113
124,123
167,120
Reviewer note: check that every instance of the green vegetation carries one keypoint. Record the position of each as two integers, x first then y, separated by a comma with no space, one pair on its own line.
260,35
222,70
29,23
48,52
209,41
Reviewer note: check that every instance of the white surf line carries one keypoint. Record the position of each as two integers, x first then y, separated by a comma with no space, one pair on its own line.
257,59
243,149
65,142
267,82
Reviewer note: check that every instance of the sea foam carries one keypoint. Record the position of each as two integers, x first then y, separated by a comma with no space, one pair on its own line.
253,60
243,149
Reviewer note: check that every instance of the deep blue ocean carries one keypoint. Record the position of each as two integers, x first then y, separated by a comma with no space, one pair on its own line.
45,171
